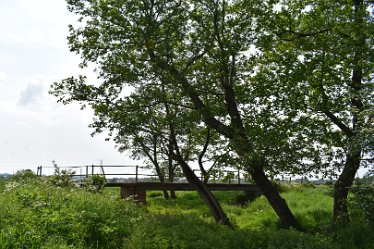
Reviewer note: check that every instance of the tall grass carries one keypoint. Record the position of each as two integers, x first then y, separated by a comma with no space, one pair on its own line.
34,214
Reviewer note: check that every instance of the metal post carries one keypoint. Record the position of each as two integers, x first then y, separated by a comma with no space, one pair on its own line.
238,176
40,171
92,170
136,173
87,171
37,171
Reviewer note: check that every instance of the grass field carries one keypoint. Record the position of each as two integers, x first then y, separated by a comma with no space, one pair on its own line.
34,214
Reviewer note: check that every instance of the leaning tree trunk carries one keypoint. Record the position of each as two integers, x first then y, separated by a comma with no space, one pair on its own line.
272,195
342,187
201,188
206,195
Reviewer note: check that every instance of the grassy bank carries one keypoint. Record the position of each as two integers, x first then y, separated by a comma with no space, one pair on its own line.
34,214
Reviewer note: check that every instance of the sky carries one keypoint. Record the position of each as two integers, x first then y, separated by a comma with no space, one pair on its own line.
34,129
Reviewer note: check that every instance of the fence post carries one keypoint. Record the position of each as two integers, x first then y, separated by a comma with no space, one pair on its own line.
92,170
87,171
40,170
238,176
136,173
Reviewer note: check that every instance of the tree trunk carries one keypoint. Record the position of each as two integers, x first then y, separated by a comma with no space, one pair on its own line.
276,201
342,186
166,194
205,194
161,178
171,167
172,194
201,188
353,157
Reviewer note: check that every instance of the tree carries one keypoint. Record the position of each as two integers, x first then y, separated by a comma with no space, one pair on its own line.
324,55
204,51
150,124
141,133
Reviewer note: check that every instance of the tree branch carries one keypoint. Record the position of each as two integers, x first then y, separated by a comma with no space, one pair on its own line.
208,117
338,123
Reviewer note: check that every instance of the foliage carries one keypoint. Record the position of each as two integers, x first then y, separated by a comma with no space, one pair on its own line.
37,215
198,57
361,203
287,85
321,54
183,231
355,236
292,239
34,214
61,178
313,55
94,183
24,175
153,66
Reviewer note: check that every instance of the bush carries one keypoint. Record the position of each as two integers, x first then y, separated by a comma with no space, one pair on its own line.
361,204
61,178
354,236
23,175
94,183
42,216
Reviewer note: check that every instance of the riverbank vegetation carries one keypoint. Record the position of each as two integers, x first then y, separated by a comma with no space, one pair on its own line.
36,214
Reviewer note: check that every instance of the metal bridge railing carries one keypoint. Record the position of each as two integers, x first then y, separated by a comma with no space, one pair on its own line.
132,172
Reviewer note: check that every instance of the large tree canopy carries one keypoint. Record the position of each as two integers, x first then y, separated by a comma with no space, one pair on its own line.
233,65
205,50
324,50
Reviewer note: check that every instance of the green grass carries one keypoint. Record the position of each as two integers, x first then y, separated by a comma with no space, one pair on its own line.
34,214
310,205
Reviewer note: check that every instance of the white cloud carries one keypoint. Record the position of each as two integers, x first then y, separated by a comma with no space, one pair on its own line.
32,94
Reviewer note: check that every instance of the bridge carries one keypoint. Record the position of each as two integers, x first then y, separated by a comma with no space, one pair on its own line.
139,189
134,180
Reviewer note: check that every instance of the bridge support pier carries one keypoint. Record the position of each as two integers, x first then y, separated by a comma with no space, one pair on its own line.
139,193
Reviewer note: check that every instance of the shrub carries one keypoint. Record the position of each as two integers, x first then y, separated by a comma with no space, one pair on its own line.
23,175
354,236
61,178
37,215
361,203
94,183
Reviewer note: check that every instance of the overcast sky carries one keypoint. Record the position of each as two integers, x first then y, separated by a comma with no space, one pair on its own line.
34,129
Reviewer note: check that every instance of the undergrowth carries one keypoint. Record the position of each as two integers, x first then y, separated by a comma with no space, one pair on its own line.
36,214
